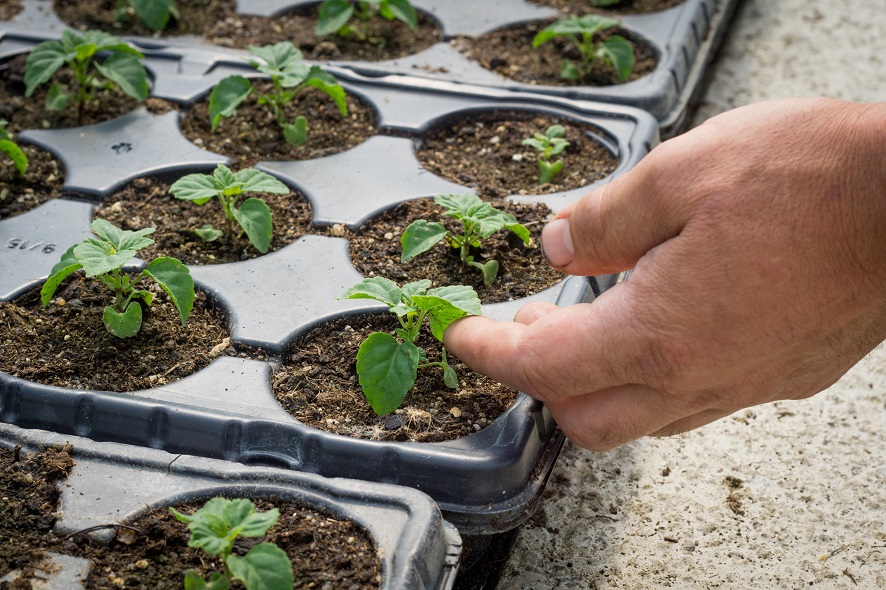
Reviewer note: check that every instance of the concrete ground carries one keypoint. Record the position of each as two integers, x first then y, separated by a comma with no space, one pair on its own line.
787,495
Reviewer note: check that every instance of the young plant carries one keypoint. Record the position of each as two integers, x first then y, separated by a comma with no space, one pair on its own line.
154,13
290,75
104,256
615,52
548,144
253,215
479,220
122,68
335,17
11,149
214,529
387,367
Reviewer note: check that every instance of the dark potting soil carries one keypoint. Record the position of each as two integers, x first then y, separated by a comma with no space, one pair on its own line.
31,113
66,344
581,7
253,135
146,202
326,552
375,251
42,181
196,16
317,383
390,39
509,52
28,509
486,153
9,9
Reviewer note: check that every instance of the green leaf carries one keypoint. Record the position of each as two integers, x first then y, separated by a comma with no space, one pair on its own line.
145,296
489,270
56,98
326,82
194,187
377,288
59,273
256,181
254,216
209,528
15,153
207,233
464,203
95,41
404,12
98,257
226,97
264,567
332,16
618,52
574,25
414,288
569,71
122,239
296,133
548,170
224,177
387,370
127,72
419,237
154,13
174,278
450,377
126,324
66,260
461,297
42,63
521,231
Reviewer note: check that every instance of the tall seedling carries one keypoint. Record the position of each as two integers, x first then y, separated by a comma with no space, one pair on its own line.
336,16
615,52
154,13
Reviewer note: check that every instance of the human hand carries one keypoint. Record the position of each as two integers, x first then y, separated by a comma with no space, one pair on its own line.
758,242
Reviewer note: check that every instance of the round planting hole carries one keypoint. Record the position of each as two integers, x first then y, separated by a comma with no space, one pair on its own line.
41,182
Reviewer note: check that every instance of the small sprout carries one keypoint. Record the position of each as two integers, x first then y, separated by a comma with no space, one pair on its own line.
154,13
335,16
479,220
387,367
548,144
103,257
214,529
11,149
290,75
615,52
122,68
253,215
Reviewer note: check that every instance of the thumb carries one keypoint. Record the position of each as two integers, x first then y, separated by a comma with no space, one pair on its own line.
609,229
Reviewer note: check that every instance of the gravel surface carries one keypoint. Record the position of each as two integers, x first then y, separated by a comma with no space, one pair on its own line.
787,495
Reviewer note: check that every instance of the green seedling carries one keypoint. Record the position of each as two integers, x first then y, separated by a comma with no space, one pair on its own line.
387,367
154,13
122,68
214,529
548,144
290,75
11,149
253,215
479,220
335,17
615,52
104,256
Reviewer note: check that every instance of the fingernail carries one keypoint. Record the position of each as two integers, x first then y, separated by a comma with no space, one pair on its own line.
556,243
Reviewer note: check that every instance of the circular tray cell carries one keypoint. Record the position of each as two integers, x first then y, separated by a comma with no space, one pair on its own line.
9,9
146,202
325,550
65,343
375,251
388,39
196,16
41,182
509,53
253,134
581,7
31,113
484,151
317,383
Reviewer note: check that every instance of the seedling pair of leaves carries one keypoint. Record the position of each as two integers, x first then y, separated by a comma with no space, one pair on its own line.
11,149
548,144
615,52
103,257
122,68
154,13
215,527
387,367
335,17
290,75
253,215
479,220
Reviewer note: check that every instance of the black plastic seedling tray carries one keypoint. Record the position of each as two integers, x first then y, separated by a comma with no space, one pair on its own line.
112,483
685,39
485,483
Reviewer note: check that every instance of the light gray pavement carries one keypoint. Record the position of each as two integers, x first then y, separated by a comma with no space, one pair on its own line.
811,509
